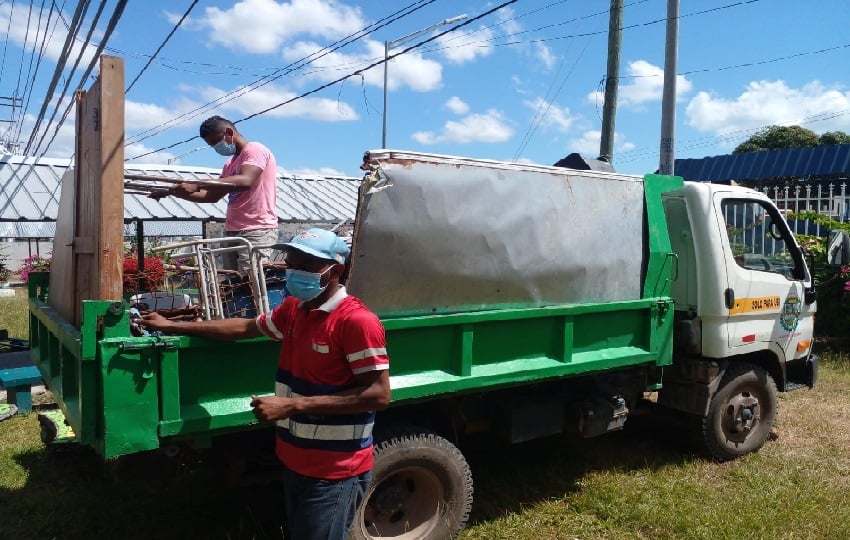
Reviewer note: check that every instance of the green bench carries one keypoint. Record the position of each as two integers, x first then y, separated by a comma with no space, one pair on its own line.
18,384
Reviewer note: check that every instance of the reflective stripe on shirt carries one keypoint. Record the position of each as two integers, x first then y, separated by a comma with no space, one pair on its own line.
324,432
365,353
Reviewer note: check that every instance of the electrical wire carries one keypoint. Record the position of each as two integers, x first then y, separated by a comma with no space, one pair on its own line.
6,41
30,84
280,72
176,26
113,22
70,75
23,53
348,76
60,66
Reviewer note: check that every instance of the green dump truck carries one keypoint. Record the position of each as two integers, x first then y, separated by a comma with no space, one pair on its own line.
520,299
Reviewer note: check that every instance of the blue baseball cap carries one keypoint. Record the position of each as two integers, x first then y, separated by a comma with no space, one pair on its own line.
318,243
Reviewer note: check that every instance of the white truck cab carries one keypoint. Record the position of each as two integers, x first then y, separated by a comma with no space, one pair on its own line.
745,308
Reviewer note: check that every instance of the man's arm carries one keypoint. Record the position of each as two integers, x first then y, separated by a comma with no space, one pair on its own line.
372,393
224,329
247,177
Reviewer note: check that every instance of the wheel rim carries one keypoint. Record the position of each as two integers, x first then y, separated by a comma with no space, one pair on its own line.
741,416
405,505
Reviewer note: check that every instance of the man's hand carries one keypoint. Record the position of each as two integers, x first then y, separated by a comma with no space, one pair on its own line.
272,408
155,321
159,194
184,189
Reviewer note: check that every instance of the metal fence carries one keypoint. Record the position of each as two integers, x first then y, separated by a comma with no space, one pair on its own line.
831,200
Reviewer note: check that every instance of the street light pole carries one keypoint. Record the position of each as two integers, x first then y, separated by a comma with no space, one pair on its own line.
401,41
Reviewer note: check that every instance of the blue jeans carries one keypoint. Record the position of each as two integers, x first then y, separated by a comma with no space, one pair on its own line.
319,509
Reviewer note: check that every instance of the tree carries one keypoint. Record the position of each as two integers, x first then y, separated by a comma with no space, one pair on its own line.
781,137
834,137
778,138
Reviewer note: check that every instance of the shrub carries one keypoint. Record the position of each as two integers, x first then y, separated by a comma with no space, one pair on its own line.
33,263
151,279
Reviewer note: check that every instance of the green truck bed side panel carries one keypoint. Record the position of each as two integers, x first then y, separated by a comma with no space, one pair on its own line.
444,354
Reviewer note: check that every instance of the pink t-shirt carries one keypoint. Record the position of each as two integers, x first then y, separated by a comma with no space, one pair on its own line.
254,208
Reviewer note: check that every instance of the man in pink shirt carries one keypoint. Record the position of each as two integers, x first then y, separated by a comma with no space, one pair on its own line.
251,173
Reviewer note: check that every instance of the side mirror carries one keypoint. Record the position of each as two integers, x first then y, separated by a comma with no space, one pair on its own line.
838,248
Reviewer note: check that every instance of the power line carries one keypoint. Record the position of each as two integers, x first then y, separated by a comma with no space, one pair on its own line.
60,65
113,22
23,51
176,26
71,74
6,41
350,75
280,72
30,84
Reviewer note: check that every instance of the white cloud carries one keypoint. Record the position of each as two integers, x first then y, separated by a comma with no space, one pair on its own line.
461,47
138,116
262,26
770,102
62,146
56,38
647,84
321,109
588,144
490,127
544,54
457,105
551,115
408,69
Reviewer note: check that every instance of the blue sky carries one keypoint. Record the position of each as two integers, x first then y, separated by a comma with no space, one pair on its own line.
522,83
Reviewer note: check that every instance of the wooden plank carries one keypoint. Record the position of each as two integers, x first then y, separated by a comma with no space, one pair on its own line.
111,243
99,215
61,297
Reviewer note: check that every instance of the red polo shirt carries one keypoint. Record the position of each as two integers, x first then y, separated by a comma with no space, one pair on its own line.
321,352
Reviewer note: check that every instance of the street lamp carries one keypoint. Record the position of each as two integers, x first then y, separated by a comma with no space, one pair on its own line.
401,41
175,158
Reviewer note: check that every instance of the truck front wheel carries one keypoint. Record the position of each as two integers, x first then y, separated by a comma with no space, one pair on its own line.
421,489
741,413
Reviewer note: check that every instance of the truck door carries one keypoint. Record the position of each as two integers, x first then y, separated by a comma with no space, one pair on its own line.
767,277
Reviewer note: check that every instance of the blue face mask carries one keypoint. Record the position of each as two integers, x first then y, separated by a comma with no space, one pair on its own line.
224,149
305,285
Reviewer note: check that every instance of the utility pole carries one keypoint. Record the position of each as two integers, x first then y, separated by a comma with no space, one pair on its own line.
612,80
668,100
6,145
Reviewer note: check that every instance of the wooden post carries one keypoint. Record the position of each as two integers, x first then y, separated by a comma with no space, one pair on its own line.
97,246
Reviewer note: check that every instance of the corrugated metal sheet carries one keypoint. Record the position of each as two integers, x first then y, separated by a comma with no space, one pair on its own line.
29,191
768,165
47,229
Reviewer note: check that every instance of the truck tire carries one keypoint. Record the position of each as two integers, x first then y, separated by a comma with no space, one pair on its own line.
741,413
421,489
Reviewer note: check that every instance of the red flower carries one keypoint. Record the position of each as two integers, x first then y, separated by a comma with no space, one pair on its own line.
151,279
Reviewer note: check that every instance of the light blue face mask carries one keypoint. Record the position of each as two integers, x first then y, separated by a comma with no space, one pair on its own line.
224,149
305,285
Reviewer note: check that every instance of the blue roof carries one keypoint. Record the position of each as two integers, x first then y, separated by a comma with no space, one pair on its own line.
768,165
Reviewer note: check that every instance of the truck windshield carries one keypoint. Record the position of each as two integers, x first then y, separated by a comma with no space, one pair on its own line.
760,239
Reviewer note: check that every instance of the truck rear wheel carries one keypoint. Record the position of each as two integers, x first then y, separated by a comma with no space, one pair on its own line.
741,413
421,489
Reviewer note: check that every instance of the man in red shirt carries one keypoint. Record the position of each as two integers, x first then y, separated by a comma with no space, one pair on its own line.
333,374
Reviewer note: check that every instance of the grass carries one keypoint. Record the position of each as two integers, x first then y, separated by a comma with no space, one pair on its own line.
13,314
641,483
